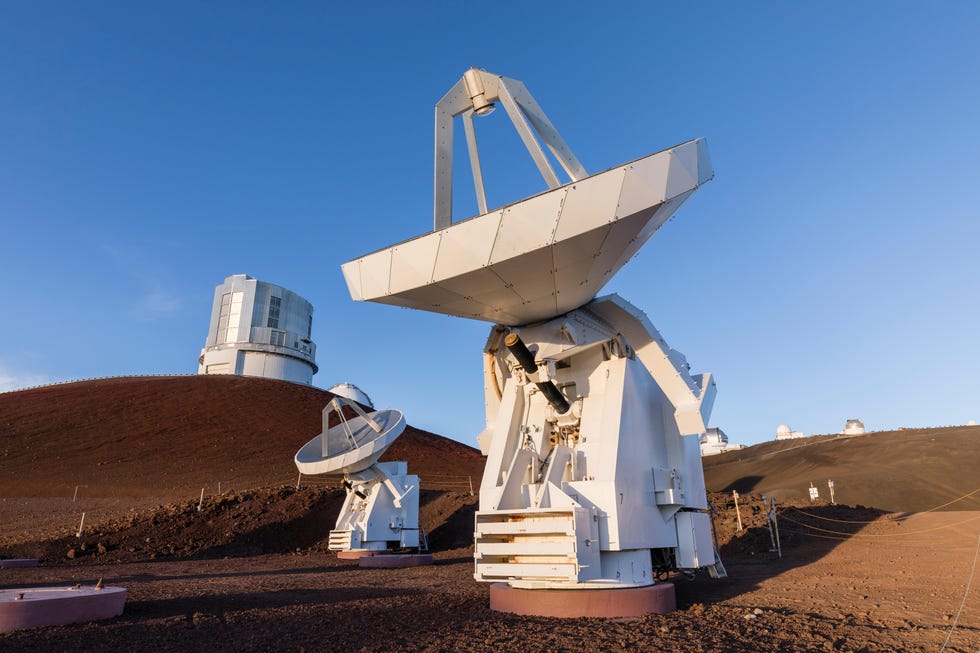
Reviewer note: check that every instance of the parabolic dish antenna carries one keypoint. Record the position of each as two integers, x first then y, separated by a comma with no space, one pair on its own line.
540,257
593,478
354,444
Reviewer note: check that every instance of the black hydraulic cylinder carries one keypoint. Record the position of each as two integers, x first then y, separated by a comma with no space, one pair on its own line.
526,359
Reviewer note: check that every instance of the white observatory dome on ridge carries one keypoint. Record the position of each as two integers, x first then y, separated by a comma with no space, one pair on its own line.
714,441
352,392
259,329
853,427
784,432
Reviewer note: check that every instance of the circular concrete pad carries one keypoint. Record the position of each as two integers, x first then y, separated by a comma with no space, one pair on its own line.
627,602
14,563
355,555
53,606
396,561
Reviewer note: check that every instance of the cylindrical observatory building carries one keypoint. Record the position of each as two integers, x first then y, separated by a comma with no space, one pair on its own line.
259,329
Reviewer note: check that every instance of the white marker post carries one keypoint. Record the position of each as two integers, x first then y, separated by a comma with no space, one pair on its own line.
814,493
830,484
471,484
738,515
75,496
201,502
81,524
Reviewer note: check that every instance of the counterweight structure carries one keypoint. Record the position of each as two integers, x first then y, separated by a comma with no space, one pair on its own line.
593,475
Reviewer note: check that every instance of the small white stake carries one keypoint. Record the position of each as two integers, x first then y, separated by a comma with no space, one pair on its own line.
738,515
298,479
201,502
471,484
80,525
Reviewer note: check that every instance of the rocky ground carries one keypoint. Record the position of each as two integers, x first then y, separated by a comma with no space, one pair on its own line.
249,572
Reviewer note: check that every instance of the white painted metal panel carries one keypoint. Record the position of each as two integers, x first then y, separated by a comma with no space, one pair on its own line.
557,527
609,259
695,548
683,169
530,278
520,548
466,245
375,271
412,263
527,226
590,201
527,571
572,257
705,171
645,184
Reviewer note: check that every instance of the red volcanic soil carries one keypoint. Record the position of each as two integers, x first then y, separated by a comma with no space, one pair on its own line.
171,436
249,570
248,573
908,470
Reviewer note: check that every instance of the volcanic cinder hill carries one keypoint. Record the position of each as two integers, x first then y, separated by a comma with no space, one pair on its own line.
170,436
909,470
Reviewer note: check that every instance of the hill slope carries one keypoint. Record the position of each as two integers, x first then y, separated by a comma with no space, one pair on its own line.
910,470
169,436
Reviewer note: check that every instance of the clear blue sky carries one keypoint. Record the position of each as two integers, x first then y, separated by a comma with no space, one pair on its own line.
149,150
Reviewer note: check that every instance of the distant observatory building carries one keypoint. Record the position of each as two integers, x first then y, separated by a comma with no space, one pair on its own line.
259,329
714,441
853,427
783,432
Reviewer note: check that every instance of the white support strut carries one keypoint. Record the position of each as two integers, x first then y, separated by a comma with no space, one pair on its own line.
475,94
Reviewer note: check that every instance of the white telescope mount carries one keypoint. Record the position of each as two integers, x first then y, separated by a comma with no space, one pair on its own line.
593,474
593,477
381,509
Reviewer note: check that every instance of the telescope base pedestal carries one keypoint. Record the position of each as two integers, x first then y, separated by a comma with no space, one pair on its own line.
356,554
610,603
33,607
14,563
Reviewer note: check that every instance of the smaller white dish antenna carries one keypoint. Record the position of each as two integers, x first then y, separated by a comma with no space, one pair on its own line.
353,445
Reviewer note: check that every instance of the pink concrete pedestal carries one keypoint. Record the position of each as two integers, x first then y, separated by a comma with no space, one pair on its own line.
53,606
628,602
356,555
396,561
14,563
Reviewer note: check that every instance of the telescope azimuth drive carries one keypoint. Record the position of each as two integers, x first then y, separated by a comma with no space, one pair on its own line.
593,478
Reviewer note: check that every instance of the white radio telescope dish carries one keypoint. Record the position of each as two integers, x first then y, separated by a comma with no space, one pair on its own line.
354,444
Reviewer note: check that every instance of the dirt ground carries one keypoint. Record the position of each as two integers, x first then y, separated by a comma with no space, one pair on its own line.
908,469
170,436
223,579
249,571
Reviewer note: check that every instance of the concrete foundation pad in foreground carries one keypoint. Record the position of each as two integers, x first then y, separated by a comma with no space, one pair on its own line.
396,561
356,555
33,607
628,602
14,563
